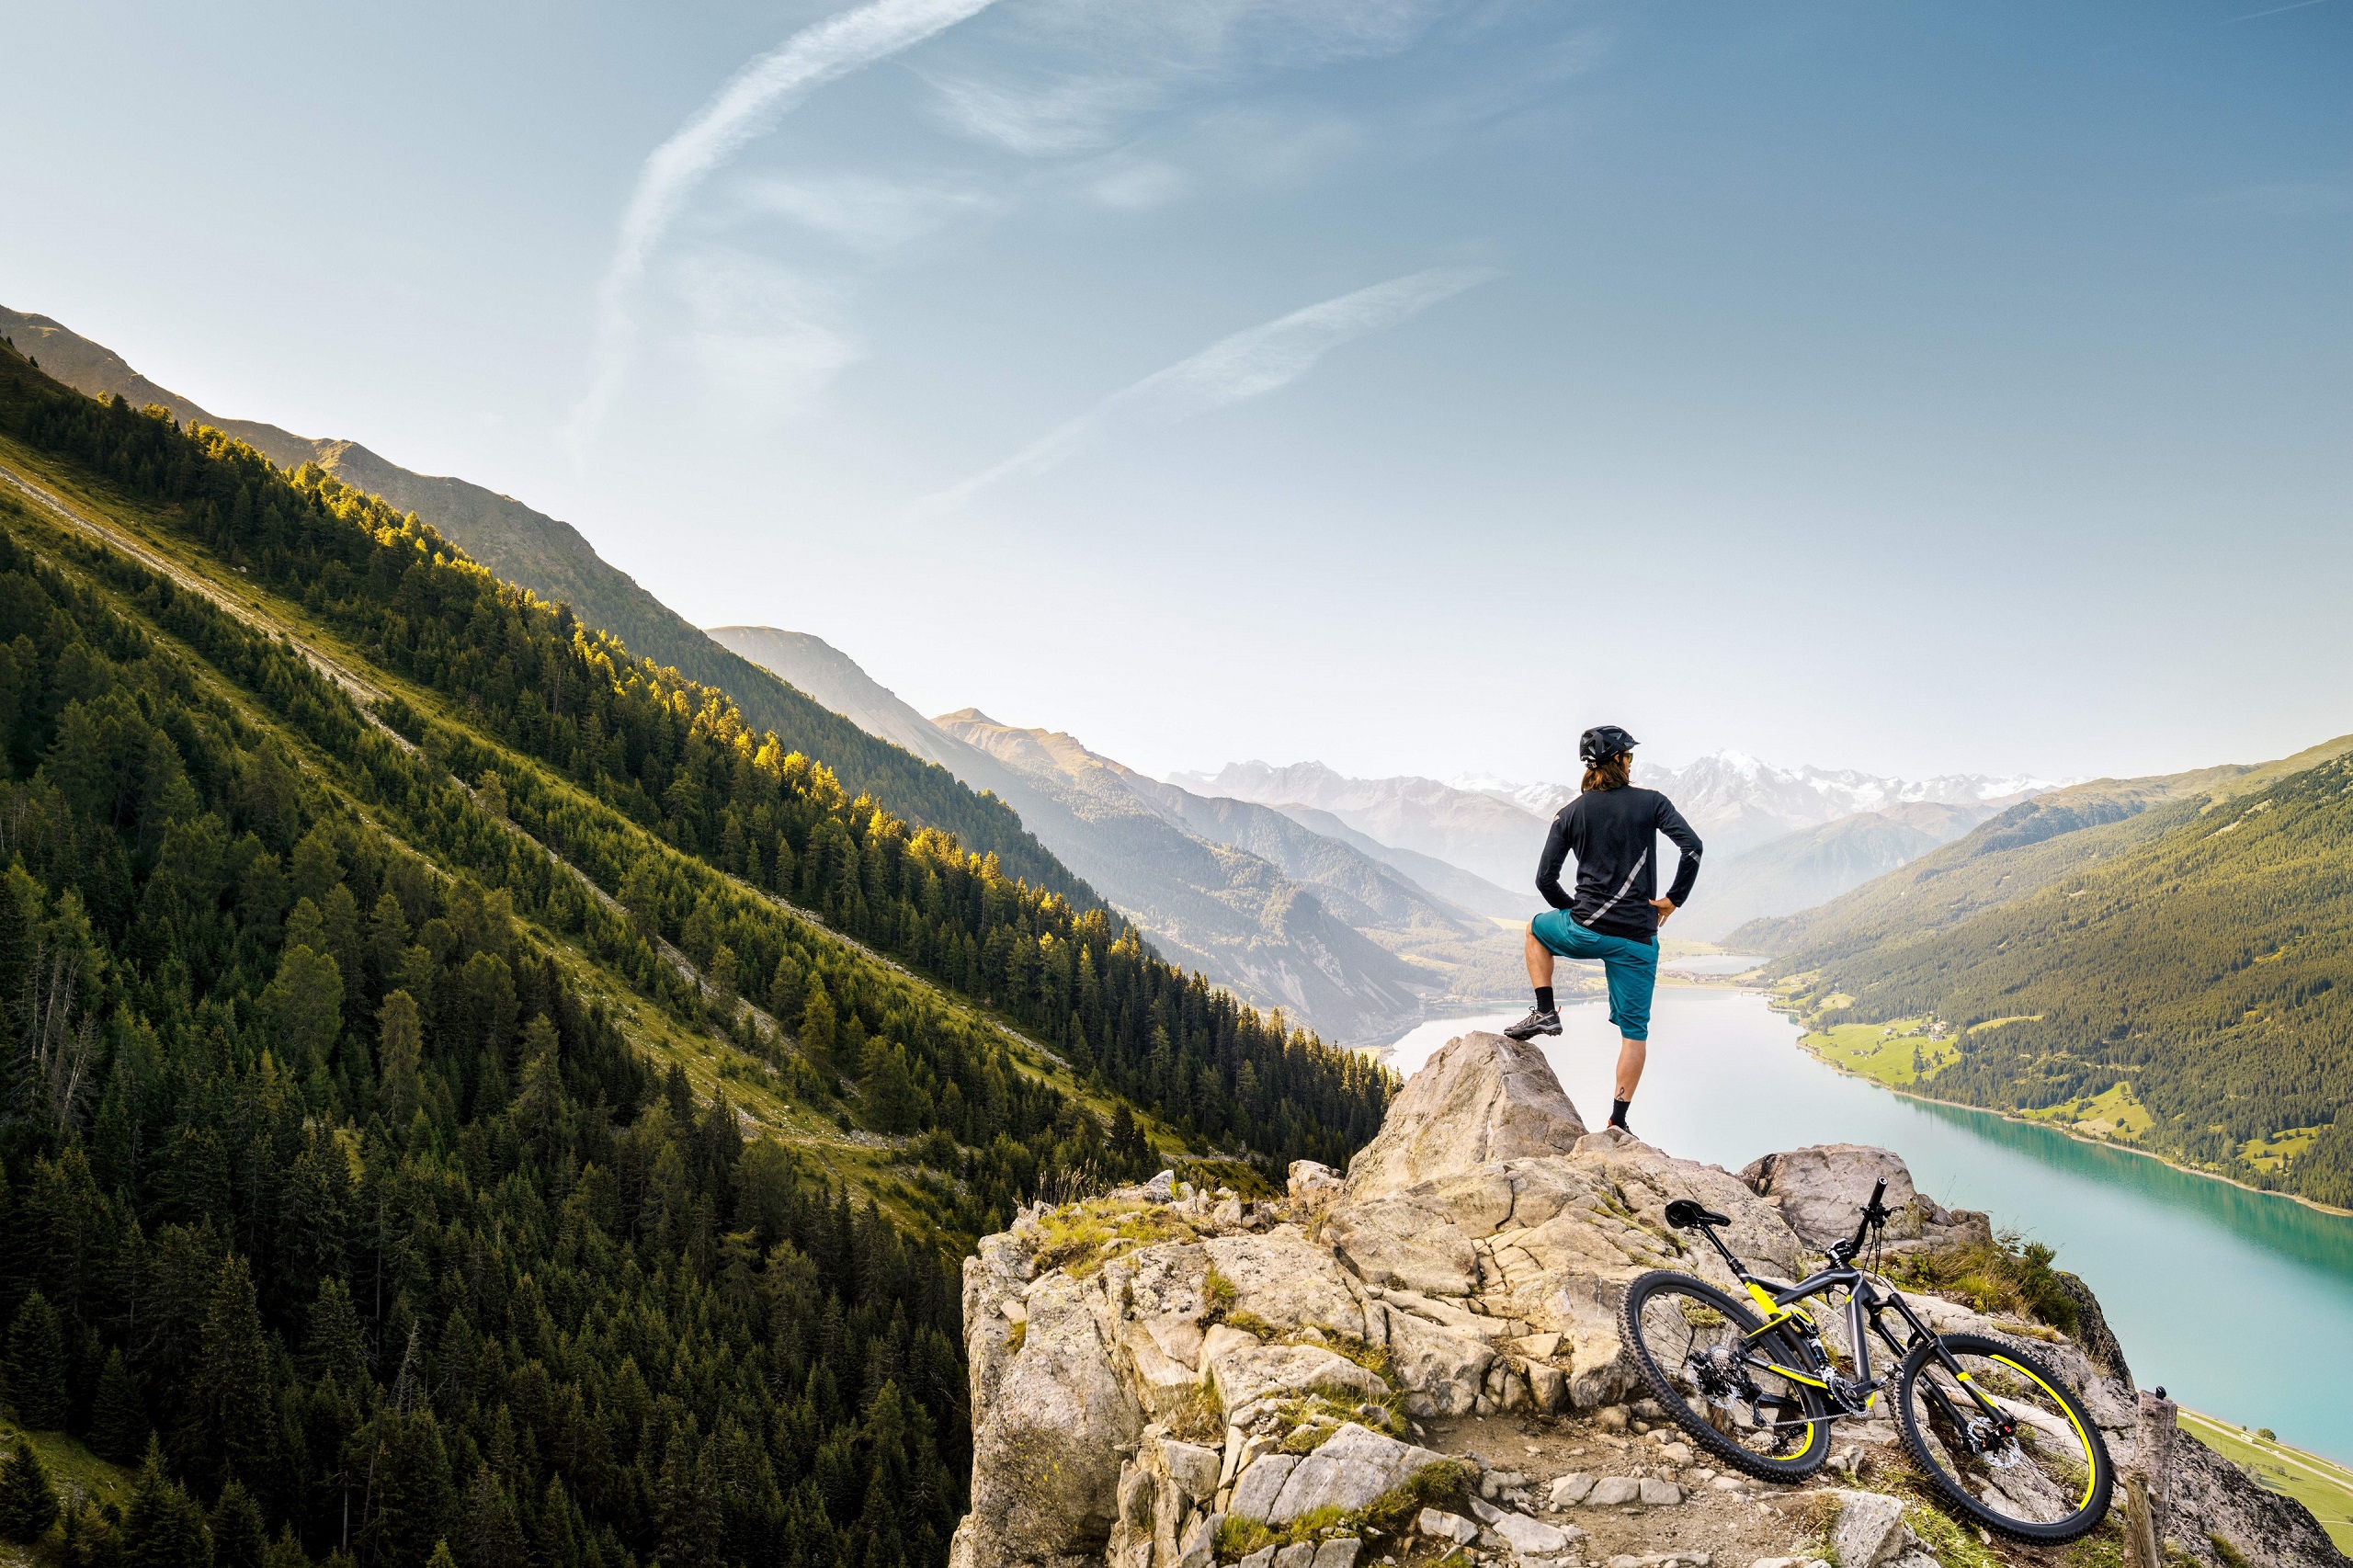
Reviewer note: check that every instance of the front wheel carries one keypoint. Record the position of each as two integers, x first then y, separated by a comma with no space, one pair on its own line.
2034,1467
1746,1397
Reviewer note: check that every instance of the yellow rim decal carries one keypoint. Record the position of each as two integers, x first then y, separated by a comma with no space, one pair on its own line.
2091,1459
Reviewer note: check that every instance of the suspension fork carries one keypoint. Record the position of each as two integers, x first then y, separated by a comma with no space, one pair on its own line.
1936,1399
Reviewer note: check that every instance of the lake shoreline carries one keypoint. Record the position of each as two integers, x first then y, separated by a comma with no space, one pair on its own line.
1845,1071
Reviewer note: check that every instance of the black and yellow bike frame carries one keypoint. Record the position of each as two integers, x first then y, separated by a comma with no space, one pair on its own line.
1865,1307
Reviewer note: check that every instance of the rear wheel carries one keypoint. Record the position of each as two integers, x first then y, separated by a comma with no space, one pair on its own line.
2036,1469
1724,1383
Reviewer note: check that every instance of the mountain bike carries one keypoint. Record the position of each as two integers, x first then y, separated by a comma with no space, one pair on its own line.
1996,1431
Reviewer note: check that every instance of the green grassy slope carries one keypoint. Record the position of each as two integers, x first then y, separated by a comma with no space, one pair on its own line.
528,548
2194,953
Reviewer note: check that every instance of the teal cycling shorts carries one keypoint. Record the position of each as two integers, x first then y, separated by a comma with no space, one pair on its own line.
1630,967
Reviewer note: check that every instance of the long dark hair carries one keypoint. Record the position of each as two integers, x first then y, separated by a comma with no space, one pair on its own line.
1610,772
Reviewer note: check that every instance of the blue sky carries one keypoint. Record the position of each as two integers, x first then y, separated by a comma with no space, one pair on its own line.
1401,383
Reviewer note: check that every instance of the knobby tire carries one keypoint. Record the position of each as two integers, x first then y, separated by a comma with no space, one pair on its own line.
1812,1440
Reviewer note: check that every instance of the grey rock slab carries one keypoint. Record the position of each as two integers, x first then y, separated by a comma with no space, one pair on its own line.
1350,1468
1245,1376
1482,1098
1569,1490
1441,1370
1261,1483
1530,1538
1870,1528
1340,1553
1262,1558
1298,1554
1438,1522
1821,1189
1660,1494
1287,1280
1192,1467
1614,1491
1230,1465
1047,1458
1201,1543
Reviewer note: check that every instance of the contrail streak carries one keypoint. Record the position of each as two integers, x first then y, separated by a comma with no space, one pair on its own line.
1249,364
746,108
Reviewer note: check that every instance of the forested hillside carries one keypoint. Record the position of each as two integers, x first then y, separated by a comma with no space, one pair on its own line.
394,1152
2196,952
548,556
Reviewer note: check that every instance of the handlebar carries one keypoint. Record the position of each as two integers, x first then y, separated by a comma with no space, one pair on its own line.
1874,1214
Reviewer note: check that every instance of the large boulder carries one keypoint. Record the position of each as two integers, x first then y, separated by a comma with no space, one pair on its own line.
1350,1468
1480,1098
1518,1248
1821,1191
1478,1253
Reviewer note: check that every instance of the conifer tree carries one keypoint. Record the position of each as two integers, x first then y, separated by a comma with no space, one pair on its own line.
37,1366
399,1044
163,1528
231,1400
286,1552
117,1418
489,1537
237,1540
28,1500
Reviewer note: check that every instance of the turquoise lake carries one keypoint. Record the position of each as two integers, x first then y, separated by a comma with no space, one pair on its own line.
2239,1302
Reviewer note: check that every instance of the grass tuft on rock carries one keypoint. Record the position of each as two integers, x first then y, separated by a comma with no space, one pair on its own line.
2007,1274
1080,1238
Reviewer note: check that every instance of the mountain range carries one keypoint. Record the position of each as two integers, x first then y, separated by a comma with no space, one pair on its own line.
1776,839
1327,929
1276,911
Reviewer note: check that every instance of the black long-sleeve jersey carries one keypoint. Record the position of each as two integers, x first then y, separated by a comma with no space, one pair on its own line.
1614,834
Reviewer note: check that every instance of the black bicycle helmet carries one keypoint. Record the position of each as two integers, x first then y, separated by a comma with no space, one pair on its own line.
1603,742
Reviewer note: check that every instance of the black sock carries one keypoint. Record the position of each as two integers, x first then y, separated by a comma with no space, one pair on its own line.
1543,998
1618,1112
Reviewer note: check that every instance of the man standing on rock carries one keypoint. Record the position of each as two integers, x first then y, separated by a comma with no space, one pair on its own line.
1612,829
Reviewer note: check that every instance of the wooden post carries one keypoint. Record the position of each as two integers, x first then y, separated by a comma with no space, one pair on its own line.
2146,1481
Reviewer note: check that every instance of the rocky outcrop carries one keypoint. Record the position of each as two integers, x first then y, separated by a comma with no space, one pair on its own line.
1820,1189
1482,1098
1173,1379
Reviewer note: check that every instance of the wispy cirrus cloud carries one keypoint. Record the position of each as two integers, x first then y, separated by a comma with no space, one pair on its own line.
863,212
1082,74
746,108
1249,364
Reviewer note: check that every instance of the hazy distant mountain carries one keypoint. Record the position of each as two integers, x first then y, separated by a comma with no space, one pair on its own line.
1286,916
835,680
1738,803
1485,835
552,560
1777,839
1233,913
1448,880
1814,865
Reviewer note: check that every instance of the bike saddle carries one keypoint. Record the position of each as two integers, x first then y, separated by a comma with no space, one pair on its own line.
1683,1214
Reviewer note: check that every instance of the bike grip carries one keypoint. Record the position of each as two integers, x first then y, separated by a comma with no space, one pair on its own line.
1877,1193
